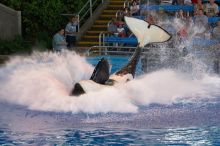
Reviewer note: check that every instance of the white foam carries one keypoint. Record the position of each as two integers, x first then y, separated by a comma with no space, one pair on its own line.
43,82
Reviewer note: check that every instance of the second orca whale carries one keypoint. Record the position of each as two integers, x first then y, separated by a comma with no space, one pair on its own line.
146,33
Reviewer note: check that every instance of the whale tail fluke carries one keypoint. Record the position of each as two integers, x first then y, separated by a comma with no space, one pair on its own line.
147,33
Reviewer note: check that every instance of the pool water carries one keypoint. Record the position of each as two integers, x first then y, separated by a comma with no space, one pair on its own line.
116,62
156,125
188,121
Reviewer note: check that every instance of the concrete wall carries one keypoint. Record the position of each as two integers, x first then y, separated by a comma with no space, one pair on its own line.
10,22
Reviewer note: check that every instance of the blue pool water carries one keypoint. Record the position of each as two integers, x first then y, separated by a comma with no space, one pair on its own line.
115,61
163,119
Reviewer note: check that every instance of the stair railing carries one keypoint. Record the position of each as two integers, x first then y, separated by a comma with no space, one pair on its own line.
87,11
126,3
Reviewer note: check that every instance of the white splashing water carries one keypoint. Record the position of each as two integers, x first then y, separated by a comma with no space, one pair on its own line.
43,82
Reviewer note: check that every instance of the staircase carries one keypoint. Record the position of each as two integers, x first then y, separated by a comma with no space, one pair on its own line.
91,37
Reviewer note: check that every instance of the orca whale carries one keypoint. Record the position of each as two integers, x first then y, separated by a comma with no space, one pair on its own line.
146,33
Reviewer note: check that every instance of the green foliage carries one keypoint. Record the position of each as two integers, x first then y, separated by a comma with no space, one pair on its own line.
43,41
17,45
43,16
15,4
41,19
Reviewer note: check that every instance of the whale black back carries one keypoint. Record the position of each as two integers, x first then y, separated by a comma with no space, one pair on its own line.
101,72
130,68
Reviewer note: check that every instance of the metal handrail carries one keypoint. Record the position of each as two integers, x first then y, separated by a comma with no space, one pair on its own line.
104,50
87,10
126,3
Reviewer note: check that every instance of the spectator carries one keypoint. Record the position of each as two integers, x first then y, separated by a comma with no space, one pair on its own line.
112,27
127,12
187,2
180,15
70,30
194,2
198,6
201,19
121,30
134,8
162,15
166,2
216,31
150,19
182,33
121,14
211,8
59,41
201,22
175,2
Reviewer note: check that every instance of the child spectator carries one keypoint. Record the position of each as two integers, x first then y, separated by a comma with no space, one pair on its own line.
121,31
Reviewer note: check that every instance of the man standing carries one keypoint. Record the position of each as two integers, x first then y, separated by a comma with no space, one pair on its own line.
70,30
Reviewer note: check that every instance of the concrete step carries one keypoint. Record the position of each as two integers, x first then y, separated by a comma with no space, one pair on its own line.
95,31
99,26
109,11
85,43
108,15
115,7
101,22
91,37
116,2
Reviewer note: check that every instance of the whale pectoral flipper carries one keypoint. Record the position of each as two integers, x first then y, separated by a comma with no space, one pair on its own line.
77,90
101,72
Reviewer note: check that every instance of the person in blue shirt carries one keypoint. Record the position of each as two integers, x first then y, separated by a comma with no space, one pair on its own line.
59,42
70,30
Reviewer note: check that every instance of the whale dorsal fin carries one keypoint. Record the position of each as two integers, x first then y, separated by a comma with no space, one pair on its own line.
147,33
101,72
